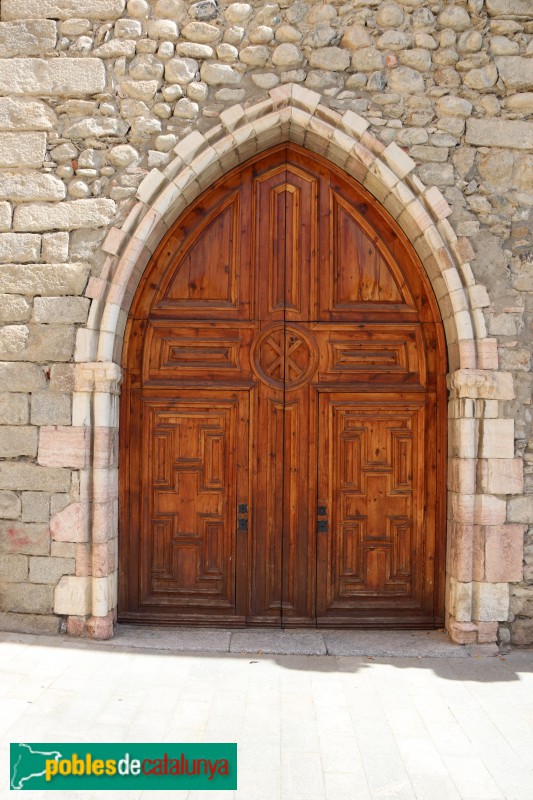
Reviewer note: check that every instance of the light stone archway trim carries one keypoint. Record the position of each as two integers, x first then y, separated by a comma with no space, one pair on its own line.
484,553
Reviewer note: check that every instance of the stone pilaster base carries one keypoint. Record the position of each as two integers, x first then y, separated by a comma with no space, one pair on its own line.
92,627
475,632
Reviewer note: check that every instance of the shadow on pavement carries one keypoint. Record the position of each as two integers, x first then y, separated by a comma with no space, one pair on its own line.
310,651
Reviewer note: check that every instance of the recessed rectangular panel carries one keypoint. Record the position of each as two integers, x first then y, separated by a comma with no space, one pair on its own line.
348,356
161,545
269,257
350,445
214,549
206,353
381,355
286,243
301,244
400,535
162,469
266,523
402,471
299,507
351,536
215,447
376,561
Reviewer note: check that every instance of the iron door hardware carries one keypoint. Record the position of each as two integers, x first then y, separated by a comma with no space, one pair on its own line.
242,521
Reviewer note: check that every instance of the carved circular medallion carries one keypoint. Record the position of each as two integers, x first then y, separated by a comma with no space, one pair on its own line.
284,356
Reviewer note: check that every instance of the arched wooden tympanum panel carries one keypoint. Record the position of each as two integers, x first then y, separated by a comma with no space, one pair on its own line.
283,412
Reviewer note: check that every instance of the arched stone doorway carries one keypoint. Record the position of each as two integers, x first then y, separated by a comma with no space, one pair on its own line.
476,597
283,412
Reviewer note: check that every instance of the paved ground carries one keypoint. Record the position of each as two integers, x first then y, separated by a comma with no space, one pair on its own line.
435,723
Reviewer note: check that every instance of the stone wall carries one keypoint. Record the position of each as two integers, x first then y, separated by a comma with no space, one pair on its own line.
105,103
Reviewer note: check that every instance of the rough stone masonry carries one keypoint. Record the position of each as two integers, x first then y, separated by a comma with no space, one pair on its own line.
97,96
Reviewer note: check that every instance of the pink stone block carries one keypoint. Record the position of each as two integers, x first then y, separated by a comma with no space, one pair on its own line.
105,485
64,447
104,522
463,249
100,627
25,539
105,448
487,354
504,552
502,475
71,524
83,559
466,355
478,553
113,241
487,632
116,294
462,632
489,510
461,508
96,288
437,203
462,475
442,255
104,561
76,626
461,552
497,439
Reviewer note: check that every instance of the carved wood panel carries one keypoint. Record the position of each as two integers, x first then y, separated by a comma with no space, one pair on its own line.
286,237
374,480
193,474
371,354
197,353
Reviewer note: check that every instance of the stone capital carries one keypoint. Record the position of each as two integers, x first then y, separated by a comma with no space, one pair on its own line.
480,384
98,376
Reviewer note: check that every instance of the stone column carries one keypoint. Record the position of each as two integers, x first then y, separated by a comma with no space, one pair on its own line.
484,552
89,598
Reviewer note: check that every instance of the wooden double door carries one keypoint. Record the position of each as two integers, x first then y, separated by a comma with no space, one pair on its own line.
281,441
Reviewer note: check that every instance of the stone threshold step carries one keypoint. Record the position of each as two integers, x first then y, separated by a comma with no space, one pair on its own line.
376,644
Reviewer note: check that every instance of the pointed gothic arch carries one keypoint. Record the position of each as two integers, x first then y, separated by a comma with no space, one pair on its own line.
292,113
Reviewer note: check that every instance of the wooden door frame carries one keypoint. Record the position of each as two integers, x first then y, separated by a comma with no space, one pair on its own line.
294,113
410,269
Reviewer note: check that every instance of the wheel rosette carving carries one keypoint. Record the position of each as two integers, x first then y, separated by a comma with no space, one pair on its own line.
284,356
